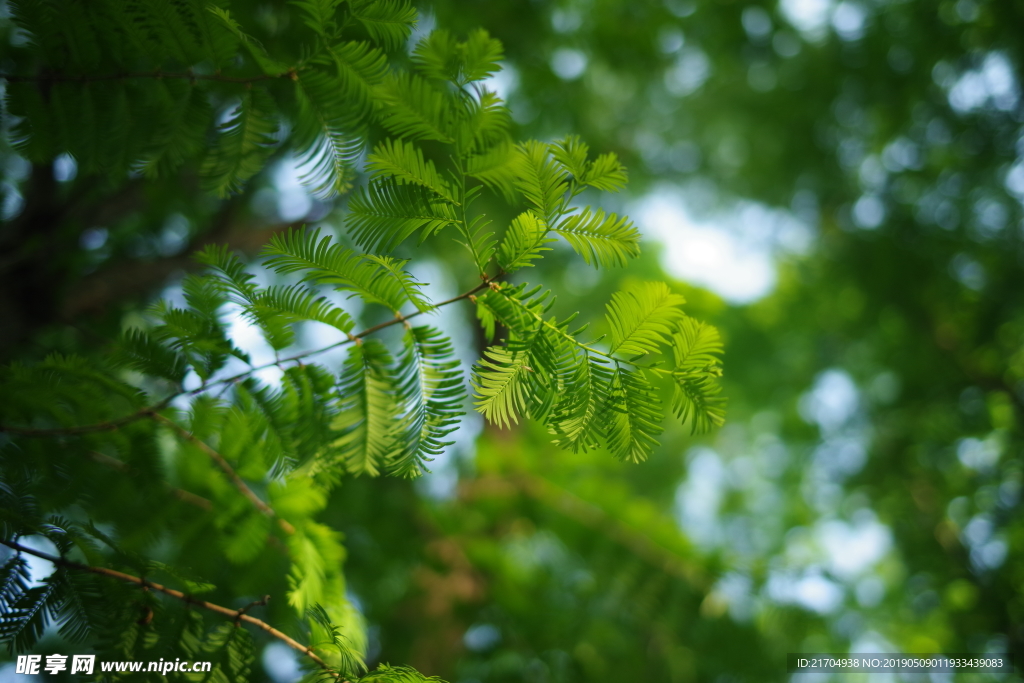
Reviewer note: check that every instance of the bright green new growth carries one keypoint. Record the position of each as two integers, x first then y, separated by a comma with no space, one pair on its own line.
386,409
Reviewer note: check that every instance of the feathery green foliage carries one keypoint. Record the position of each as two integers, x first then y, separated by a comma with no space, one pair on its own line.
259,449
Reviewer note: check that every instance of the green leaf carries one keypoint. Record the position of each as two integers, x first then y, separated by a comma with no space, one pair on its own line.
437,56
697,347
367,409
198,331
240,284
524,242
404,280
316,554
383,215
575,420
412,108
541,180
572,152
643,318
319,260
601,239
440,57
242,146
360,68
321,16
501,381
497,168
404,162
255,49
326,133
486,122
632,416
231,651
296,303
185,115
386,673
431,391
606,173
139,351
389,22
326,635
480,56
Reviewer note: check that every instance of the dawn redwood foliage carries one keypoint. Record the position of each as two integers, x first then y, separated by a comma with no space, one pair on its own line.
164,444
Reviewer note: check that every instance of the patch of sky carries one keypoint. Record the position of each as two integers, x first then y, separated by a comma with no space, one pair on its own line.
689,71
979,455
869,212
700,496
968,271
65,168
809,17
671,40
38,568
853,548
566,19
504,83
756,22
174,235
732,252
849,20
480,637
16,169
735,590
93,239
832,401
992,85
809,589
281,663
568,63
426,23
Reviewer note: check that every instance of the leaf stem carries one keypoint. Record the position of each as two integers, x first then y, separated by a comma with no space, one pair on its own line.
150,411
562,332
233,614
226,468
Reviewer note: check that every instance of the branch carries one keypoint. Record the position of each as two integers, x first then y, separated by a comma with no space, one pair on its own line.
153,410
226,468
233,614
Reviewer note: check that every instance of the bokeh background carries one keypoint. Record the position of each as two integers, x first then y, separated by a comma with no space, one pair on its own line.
838,187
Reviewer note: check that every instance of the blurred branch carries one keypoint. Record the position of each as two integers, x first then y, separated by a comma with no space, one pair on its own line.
233,614
223,464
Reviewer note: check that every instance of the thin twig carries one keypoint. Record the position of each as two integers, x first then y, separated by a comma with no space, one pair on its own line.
149,411
233,614
226,468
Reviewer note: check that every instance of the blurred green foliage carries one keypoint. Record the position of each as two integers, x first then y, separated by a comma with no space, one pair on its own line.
865,491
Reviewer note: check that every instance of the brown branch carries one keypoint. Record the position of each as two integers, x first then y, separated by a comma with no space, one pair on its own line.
152,411
233,614
227,469
186,76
